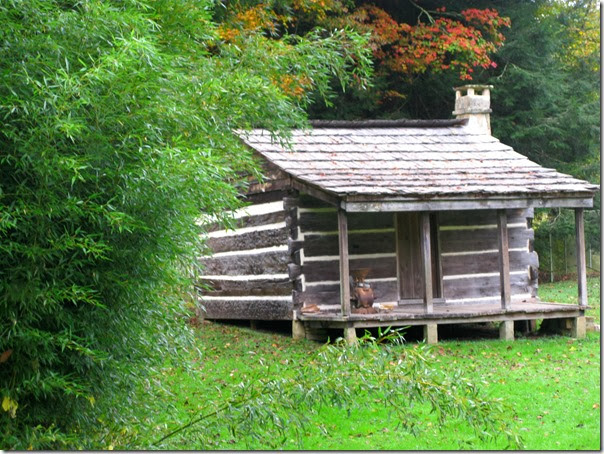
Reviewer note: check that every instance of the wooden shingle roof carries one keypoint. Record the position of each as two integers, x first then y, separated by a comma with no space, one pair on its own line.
381,160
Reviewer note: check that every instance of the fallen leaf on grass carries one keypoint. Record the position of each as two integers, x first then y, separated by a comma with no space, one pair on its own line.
5,355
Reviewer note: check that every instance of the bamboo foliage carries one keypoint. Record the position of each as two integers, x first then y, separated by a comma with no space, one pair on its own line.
116,135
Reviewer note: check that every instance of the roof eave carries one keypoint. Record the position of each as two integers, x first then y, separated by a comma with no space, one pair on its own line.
392,204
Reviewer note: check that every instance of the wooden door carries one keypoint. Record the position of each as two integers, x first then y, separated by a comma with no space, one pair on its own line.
409,259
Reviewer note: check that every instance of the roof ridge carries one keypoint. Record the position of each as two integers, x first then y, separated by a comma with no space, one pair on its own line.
400,123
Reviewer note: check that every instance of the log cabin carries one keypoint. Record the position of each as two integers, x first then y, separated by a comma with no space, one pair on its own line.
429,218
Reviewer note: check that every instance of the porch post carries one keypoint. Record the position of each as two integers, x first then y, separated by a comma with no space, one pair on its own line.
504,258
344,272
426,261
581,268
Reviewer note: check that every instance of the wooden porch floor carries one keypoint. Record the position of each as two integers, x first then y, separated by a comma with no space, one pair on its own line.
414,314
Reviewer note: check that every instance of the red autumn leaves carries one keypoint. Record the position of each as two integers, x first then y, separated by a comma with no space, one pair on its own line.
458,42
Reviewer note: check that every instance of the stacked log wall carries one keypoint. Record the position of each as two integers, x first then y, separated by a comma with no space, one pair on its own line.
371,244
246,277
469,256
468,253
289,242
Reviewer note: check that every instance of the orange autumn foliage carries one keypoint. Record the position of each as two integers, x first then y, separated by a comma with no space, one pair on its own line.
457,42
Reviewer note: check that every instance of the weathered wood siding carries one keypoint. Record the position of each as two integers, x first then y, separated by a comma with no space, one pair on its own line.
284,254
371,244
469,256
247,276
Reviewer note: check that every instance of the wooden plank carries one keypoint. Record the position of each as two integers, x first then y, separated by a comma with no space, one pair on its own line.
483,286
330,293
251,221
294,246
504,258
296,257
290,202
249,240
344,272
359,243
469,204
327,221
265,309
581,265
414,315
252,287
315,191
291,222
268,186
265,197
437,266
409,255
486,262
294,271
308,201
297,285
440,319
426,261
482,239
399,275
479,217
329,270
273,262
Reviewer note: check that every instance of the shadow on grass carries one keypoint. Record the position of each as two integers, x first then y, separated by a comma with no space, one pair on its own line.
412,334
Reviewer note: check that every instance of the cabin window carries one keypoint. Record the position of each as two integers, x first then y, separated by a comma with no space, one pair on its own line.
409,260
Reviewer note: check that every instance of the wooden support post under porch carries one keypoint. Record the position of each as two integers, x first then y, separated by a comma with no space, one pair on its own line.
298,329
506,330
431,333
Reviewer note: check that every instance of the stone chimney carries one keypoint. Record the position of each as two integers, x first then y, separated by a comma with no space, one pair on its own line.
474,103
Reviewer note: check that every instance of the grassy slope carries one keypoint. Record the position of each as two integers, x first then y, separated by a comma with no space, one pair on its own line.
553,383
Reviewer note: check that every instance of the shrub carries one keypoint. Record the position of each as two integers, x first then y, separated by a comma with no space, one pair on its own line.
116,135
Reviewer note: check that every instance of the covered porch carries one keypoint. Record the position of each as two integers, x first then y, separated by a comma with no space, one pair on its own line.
573,317
432,310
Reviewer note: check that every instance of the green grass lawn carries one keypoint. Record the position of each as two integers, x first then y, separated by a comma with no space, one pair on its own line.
566,292
552,383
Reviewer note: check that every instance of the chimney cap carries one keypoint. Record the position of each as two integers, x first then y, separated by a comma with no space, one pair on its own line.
474,103
474,86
